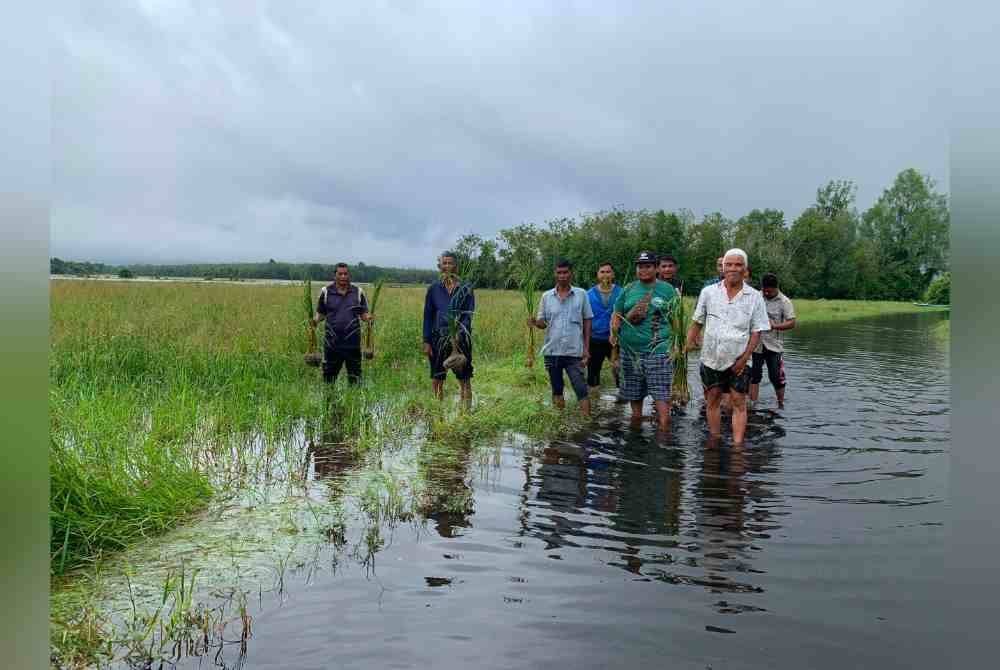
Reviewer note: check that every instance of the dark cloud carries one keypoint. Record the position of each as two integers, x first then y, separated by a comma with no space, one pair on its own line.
304,131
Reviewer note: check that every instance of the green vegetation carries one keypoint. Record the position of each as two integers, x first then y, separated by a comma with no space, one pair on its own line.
939,291
942,331
831,251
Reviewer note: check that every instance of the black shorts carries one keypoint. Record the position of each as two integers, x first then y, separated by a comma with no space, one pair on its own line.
775,368
441,349
727,380
555,365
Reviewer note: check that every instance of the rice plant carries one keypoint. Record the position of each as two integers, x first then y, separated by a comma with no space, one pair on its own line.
680,321
312,357
369,339
526,278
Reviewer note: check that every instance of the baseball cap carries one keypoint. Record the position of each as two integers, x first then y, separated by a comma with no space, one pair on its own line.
645,257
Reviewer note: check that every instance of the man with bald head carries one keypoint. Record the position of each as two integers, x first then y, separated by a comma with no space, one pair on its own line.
732,314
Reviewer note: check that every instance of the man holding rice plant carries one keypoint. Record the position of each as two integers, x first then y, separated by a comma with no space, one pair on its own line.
732,314
448,308
565,314
602,297
643,333
343,306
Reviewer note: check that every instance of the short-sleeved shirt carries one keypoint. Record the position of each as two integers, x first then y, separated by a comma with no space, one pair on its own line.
779,309
343,327
652,334
728,323
564,318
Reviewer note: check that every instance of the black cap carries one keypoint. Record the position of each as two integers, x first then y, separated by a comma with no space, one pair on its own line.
645,257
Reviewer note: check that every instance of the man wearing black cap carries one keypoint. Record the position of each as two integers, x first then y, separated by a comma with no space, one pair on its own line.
643,311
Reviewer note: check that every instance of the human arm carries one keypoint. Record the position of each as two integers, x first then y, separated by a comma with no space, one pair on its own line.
587,328
783,325
320,307
363,312
538,321
741,362
698,318
429,318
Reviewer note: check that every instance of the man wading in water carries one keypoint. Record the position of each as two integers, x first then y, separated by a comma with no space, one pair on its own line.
448,308
733,316
644,332
602,296
781,313
343,306
564,313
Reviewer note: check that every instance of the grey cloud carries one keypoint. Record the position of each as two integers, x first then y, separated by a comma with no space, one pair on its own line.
297,130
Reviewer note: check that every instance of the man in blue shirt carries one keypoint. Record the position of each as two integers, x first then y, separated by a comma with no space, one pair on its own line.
565,315
449,301
602,297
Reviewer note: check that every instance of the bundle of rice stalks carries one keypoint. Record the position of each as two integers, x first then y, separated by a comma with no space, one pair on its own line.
680,321
527,277
368,350
457,360
312,357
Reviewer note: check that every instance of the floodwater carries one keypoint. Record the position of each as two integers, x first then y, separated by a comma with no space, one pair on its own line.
819,545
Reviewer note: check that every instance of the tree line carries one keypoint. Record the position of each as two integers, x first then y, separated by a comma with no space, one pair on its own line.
272,269
892,251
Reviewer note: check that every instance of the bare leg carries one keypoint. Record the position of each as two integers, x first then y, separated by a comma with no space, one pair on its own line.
559,401
636,409
781,397
754,390
585,406
713,398
662,413
739,401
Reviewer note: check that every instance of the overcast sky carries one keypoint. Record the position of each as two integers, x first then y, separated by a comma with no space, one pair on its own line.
311,131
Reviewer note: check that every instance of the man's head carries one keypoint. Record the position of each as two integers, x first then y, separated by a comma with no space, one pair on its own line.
769,285
342,274
667,267
645,266
447,263
718,266
734,264
605,274
564,272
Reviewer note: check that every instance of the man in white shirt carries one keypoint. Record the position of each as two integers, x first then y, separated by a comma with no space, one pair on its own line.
733,315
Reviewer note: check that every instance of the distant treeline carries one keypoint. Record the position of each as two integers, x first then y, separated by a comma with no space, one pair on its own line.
892,251
272,269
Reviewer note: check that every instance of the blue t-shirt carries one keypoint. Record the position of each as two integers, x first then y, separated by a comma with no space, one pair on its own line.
600,327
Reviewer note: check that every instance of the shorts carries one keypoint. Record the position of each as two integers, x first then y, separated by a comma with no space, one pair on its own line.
441,349
775,368
644,375
725,379
555,365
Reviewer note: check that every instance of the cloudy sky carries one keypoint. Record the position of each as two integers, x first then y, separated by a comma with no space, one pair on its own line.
311,131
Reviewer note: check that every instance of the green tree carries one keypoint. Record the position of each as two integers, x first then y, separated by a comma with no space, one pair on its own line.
822,244
909,226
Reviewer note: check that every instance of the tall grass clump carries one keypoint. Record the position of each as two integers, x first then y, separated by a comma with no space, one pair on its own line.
312,357
526,278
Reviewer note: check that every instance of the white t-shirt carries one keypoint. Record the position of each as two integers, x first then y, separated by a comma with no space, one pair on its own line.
728,323
779,309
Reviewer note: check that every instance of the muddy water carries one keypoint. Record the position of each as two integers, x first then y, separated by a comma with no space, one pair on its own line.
818,546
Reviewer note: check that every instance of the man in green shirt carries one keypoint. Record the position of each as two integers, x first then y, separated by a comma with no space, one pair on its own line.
643,336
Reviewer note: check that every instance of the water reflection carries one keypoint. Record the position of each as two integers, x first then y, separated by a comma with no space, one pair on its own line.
447,497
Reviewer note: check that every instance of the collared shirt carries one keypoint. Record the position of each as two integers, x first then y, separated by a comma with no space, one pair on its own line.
601,326
564,318
438,303
779,310
343,327
728,323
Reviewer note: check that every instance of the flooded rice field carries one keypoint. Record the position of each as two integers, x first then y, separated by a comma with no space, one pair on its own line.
818,545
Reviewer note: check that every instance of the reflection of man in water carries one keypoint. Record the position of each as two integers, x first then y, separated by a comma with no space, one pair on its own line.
447,498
